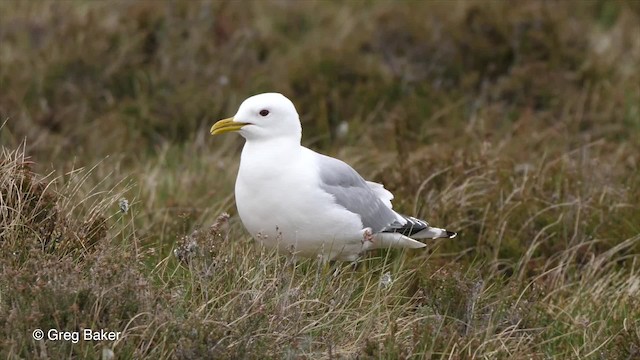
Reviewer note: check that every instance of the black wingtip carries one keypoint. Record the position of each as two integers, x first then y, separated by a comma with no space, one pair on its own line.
451,234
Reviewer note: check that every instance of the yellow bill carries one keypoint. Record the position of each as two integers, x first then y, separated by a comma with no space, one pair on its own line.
226,125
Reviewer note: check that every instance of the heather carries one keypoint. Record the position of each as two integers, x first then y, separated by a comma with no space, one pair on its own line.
516,125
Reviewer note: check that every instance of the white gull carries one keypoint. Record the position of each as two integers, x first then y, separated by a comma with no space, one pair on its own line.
297,200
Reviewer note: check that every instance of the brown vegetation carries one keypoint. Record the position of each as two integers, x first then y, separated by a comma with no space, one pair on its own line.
519,126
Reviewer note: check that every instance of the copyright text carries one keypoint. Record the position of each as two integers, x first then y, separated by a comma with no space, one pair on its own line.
76,336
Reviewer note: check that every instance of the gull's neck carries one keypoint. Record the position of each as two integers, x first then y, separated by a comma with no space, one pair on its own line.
272,147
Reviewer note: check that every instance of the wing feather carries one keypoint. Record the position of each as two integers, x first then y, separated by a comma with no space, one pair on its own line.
355,194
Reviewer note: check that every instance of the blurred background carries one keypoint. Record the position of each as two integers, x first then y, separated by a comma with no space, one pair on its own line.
98,78
517,125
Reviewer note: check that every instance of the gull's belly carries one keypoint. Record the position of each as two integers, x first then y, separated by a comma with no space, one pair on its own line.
291,213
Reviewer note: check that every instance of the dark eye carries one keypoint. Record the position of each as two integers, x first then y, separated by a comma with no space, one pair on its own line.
264,112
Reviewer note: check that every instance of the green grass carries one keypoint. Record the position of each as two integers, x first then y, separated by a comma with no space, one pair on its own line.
517,126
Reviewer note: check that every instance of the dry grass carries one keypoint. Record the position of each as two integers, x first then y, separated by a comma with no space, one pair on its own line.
517,126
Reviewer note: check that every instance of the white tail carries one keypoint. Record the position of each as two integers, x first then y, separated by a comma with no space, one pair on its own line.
433,233
395,240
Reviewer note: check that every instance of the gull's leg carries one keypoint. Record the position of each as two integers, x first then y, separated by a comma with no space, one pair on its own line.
367,236
368,241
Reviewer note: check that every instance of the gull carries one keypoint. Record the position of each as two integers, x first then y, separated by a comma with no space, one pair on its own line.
299,201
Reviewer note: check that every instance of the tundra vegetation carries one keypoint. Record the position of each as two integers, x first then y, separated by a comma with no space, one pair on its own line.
516,125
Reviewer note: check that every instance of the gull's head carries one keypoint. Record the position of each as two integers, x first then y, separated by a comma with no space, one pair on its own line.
263,116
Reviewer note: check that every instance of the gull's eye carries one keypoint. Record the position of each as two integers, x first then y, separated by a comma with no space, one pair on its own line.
264,112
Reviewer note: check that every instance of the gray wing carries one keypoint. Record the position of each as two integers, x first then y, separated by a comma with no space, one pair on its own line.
352,192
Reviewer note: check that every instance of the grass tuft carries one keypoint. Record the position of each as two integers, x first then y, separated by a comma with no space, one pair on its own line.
517,126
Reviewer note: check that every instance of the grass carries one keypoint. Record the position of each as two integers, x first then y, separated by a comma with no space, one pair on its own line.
518,126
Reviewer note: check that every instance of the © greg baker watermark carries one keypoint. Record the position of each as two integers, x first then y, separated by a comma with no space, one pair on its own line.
75,336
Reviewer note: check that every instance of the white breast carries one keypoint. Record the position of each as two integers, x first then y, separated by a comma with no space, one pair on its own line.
281,205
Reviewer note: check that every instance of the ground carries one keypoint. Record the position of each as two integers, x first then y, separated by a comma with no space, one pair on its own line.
516,125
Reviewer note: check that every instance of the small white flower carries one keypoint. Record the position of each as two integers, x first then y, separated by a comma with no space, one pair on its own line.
342,130
386,280
223,80
124,205
107,354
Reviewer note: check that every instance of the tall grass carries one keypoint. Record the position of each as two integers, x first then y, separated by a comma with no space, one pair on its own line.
516,125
